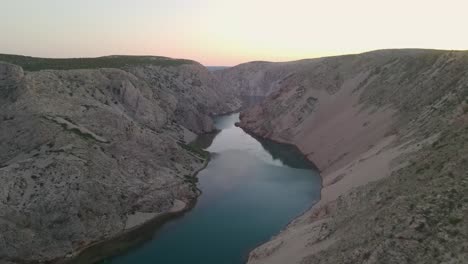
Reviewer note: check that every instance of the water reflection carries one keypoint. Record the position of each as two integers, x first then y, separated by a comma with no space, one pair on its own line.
251,189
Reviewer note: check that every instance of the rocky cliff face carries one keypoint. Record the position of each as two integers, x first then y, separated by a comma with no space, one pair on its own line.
87,154
251,82
360,119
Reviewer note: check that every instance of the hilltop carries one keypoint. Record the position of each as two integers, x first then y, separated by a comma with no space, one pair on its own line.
114,61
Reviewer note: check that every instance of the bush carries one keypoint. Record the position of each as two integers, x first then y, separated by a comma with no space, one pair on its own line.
198,151
454,220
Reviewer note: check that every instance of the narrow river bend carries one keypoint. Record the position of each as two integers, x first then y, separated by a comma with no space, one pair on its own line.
251,189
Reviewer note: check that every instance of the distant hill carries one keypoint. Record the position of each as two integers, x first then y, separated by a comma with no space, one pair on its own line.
216,68
114,61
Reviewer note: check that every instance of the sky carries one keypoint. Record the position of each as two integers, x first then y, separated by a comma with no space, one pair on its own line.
229,32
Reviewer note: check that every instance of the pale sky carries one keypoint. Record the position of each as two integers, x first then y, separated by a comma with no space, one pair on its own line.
228,32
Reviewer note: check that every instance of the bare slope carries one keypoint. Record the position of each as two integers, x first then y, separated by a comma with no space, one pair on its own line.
87,154
359,118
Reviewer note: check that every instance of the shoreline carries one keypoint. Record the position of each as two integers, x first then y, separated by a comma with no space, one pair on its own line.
305,210
129,238
293,240
284,143
102,250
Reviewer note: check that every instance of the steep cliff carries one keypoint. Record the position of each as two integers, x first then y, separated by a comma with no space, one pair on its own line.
87,154
251,82
361,118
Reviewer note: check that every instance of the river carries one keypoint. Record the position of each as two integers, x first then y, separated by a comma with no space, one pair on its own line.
251,189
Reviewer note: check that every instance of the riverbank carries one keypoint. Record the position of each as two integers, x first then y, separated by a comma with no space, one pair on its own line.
135,235
93,147
308,232
246,175
361,119
312,165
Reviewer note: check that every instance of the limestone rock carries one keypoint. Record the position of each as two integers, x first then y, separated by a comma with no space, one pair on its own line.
84,151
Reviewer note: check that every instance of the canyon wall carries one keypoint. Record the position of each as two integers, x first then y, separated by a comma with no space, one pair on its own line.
92,148
88,154
360,119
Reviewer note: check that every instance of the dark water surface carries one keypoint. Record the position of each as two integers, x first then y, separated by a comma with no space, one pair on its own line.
251,189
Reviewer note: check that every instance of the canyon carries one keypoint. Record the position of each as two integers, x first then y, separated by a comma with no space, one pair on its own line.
98,148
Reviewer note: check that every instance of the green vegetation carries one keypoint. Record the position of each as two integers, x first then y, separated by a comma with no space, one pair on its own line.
74,130
191,179
454,220
105,261
37,64
85,136
195,150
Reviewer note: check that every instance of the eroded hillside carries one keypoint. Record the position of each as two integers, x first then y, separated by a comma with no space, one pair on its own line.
361,118
87,154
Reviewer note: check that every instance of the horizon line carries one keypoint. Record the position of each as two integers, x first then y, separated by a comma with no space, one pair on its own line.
252,61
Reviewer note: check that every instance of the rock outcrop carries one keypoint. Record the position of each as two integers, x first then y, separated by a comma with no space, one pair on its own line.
388,130
87,154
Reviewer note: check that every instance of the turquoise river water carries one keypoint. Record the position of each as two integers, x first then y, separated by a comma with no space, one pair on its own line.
251,189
